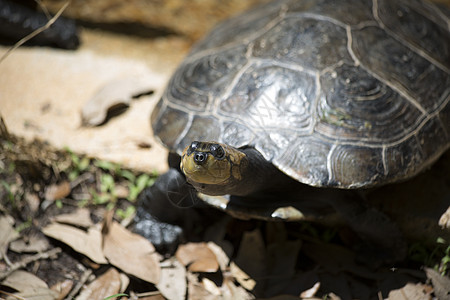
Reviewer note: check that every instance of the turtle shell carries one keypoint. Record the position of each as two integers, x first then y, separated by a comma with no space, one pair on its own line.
347,94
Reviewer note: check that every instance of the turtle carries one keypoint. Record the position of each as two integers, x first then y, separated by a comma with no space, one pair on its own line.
295,108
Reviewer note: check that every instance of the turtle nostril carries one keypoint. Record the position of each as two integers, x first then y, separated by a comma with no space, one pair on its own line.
200,158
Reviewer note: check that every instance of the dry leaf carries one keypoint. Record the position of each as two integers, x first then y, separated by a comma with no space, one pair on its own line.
208,265
211,287
196,290
410,291
80,218
7,233
440,283
38,294
198,256
311,292
289,297
22,281
104,286
117,93
242,277
444,220
35,243
62,288
57,191
172,283
232,291
33,201
131,253
152,297
88,243
121,191
222,257
124,282
29,286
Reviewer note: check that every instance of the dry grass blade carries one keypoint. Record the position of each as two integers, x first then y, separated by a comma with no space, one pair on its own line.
36,32
44,8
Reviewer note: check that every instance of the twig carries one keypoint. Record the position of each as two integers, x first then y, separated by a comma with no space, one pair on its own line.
79,285
36,32
29,259
80,179
148,294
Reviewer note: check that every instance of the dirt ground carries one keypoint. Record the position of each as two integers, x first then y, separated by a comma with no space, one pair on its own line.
68,192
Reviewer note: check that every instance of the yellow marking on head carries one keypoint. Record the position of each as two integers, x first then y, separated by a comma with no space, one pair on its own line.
214,170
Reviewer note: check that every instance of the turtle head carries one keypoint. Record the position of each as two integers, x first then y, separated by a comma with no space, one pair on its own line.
212,164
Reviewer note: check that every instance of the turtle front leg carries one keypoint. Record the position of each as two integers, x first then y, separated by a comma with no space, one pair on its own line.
160,216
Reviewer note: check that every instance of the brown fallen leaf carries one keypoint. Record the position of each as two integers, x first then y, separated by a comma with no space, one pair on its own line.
172,283
243,278
114,94
7,233
410,291
29,286
124,282
444,220
441,284
196,289
63,288
131,253
104,286
57,191
80,218
152,297
221,256
198,257
34,243
122,191
211,287
311,292
87,243
33,201
291,297
233,291
22,280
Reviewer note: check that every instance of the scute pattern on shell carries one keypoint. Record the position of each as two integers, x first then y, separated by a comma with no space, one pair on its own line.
343,94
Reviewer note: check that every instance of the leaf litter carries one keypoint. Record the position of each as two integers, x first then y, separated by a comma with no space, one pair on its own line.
131,253
233,260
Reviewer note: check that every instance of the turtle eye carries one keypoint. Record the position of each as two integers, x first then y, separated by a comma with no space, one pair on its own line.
217,151
194,145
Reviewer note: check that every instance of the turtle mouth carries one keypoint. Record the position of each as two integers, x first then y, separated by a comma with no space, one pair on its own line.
205,162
